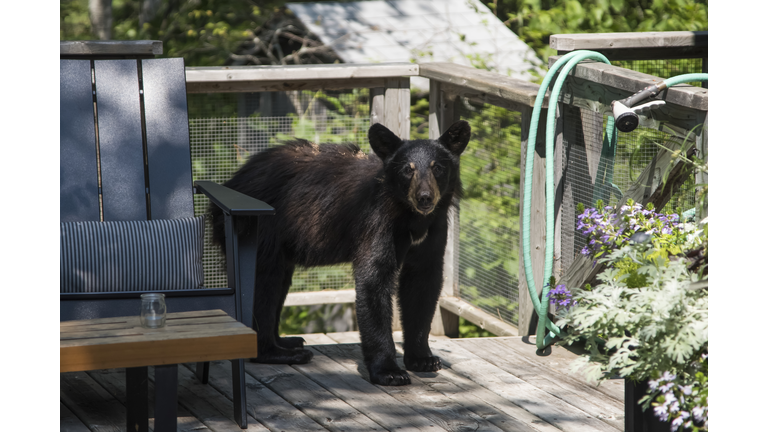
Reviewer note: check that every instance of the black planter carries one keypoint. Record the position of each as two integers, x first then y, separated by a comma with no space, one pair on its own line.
635,419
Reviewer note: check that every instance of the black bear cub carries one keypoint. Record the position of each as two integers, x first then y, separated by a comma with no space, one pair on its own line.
386,213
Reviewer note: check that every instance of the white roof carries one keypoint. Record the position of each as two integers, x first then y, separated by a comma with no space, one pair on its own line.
458,31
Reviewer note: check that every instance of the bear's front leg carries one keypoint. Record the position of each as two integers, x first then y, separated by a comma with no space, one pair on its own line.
421,280
375,278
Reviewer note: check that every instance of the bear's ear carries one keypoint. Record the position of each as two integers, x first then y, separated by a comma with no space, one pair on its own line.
456,137
383,142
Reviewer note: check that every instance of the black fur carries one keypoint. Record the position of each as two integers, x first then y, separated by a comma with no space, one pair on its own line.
386,213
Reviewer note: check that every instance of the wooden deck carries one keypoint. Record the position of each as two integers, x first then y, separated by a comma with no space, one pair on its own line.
487,384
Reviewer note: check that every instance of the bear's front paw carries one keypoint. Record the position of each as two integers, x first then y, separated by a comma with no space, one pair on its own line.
397,377
423,364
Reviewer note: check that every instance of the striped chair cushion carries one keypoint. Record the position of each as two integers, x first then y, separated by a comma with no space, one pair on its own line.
157,255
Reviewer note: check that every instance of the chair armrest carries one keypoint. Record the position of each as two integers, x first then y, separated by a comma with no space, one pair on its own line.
233,202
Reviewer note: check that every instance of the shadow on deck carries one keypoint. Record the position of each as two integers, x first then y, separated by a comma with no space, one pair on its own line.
487,384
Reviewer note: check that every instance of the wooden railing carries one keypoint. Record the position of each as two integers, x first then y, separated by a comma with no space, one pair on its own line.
637,46
589,90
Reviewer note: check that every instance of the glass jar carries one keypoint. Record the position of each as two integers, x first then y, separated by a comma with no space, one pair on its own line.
153,310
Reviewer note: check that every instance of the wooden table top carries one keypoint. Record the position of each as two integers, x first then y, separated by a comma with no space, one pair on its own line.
187,337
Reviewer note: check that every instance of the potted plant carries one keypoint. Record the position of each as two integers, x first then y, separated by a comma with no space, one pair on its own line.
646,320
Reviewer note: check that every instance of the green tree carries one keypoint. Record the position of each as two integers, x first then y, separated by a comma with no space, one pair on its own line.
535,20
204,32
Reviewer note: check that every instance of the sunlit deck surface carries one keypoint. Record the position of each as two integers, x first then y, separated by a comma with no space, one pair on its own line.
487,384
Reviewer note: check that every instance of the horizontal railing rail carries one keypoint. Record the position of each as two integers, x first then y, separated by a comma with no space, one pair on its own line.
235,79
636,46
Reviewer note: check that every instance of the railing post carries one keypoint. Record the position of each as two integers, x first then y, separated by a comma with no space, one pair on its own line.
391,106
527,318
377,105
560,165
702,178
442,114
397,107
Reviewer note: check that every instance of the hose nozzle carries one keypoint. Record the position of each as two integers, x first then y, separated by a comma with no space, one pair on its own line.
626,119
625,111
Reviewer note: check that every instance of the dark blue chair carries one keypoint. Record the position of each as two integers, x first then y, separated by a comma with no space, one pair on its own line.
125,156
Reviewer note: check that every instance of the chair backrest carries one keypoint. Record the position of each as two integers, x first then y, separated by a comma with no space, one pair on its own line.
124,140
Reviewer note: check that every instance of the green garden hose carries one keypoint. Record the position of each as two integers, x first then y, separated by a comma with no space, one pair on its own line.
540,304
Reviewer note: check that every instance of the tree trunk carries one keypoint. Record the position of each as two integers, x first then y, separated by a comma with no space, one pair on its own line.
101,18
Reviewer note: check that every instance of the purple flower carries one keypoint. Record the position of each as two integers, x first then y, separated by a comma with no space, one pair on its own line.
676,423
653,384
698,413
560,297
667,376
675,406
605,230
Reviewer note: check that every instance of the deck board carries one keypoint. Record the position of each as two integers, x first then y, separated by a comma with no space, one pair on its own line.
212,408
566,388
358,392
113,381
268,408
311,398
69,421
438,407
560,360
534,400
488,384
91,403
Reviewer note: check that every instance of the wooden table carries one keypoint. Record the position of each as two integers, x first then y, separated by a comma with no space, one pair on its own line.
188,337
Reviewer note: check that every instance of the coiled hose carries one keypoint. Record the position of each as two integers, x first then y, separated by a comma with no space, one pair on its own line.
570,60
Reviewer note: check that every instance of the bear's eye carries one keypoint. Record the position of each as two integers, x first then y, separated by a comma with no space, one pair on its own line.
437,170
408,170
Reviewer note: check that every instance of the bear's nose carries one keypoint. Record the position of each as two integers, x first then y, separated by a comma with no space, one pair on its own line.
425,197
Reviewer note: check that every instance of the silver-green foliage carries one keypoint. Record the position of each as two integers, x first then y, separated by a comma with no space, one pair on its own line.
659,327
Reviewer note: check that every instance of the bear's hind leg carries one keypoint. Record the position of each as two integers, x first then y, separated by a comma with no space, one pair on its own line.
273,279
290,341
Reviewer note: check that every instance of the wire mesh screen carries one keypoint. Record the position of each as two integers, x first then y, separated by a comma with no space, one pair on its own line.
489,211
595,172
663,68
227,128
